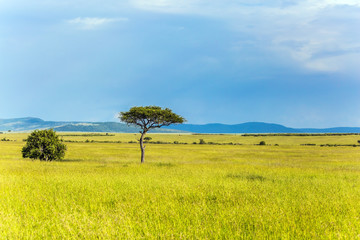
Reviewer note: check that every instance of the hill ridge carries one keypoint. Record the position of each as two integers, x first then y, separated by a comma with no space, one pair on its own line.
32,123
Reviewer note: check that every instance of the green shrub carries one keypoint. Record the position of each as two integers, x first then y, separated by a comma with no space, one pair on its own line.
262,143
44,145
202,141
147,138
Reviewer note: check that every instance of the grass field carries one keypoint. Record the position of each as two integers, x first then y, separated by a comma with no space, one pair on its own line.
183,191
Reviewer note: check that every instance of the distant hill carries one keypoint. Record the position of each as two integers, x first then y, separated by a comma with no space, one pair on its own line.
28,124
107,127
250,127
257,127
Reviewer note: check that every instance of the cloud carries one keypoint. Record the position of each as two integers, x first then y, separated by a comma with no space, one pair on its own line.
88,23
315,35
164,5
326,40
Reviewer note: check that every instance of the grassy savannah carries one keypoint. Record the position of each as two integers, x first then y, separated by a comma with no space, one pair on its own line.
205,191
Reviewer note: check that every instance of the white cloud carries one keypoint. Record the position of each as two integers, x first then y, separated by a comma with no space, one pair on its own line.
88,23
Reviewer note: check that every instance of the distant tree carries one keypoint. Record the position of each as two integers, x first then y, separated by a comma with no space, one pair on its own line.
147,118
147,138
44,145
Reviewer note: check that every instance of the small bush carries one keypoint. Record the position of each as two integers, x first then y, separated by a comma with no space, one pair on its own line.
44,145
147,138
262,143
202,141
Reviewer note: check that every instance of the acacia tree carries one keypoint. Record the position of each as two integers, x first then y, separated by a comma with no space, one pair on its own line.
147,118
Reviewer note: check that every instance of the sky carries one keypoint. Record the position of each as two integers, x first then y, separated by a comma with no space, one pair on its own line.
291,62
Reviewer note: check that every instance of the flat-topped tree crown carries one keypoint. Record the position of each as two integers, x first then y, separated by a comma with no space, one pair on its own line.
150,117
147,118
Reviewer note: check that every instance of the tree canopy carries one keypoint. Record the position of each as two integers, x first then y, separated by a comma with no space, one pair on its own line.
150,117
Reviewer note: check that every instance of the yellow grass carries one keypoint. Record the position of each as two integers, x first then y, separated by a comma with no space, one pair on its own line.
101,191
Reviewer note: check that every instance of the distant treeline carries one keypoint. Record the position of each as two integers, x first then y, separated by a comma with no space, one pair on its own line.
201,141
6,140
339,145
211,133
91,141
331,145
298,134
279,134
88,135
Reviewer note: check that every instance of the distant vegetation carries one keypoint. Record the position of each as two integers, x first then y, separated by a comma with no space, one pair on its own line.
147,139
88,135
298,134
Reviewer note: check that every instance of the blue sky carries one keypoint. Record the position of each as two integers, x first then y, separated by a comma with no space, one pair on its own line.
284,61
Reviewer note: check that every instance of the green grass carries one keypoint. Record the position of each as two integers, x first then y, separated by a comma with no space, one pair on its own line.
101,191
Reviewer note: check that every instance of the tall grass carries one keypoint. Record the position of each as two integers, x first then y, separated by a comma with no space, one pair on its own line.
101,191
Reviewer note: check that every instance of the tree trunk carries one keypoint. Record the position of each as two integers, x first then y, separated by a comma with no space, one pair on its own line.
142,147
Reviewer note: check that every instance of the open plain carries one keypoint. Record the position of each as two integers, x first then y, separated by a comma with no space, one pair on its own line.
230,187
